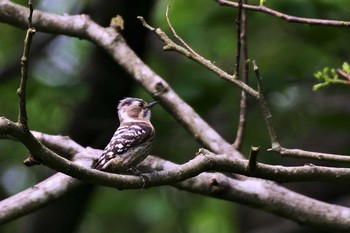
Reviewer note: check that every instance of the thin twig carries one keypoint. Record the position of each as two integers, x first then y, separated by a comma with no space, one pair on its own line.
265,109
275,146
176,35
170,45
289,18
30,5
21,91
345,75
243,102
238,40
241,121
297,153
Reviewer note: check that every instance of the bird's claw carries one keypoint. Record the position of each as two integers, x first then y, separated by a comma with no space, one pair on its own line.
136,172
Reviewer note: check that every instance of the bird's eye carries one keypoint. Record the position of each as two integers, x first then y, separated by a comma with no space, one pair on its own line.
140,105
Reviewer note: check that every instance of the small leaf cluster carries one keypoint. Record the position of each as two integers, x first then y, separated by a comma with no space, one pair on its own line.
330,76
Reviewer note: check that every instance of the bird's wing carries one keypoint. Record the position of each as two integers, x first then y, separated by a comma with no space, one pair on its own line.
126,137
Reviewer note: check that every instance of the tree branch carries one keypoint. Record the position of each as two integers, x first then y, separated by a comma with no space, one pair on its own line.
177,36
263,194
265,109
36,196
297,153
289,18
243,49
238,40
21,91
271,198
170,45
275,145
204,161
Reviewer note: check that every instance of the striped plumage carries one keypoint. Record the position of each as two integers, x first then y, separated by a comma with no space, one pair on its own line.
132,141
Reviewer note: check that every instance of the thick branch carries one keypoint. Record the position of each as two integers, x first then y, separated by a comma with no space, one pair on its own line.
54,161
271,198
36,196
204,161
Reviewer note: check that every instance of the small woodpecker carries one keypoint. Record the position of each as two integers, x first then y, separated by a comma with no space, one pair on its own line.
133,139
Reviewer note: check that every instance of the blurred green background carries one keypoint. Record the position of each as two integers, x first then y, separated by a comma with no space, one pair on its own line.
74,88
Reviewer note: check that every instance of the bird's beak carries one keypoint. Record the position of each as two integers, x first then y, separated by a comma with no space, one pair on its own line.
151,104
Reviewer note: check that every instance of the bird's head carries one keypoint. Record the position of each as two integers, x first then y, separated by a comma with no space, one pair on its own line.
134,109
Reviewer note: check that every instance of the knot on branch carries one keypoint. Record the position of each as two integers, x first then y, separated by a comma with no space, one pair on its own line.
160,88
32,161
216,188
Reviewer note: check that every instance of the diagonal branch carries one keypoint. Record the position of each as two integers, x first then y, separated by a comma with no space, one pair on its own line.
170,45
36,197
275,145
265,109
176,35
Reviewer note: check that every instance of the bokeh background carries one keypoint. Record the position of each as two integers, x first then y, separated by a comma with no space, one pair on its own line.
74,87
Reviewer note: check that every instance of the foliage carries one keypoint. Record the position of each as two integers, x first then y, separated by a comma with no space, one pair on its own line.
329,76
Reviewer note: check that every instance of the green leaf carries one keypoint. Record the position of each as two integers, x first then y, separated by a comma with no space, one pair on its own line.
346,67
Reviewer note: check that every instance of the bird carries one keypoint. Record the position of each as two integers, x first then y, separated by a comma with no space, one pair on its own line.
133,139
